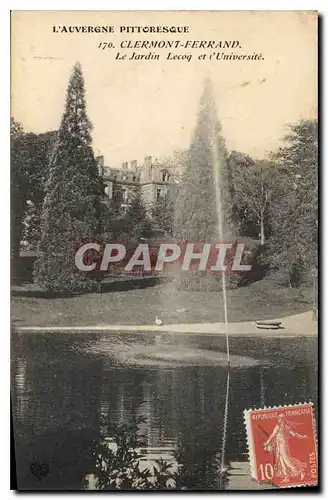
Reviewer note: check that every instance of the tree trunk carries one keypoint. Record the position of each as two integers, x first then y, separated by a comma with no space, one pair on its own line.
262,230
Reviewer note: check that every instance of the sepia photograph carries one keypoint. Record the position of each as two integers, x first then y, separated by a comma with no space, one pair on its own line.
164,250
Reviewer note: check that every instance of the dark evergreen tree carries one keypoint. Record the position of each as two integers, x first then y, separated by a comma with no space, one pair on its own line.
112,222
162,212
135,223
73,204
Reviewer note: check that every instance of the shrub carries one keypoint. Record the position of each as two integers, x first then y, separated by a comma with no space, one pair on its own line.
117,467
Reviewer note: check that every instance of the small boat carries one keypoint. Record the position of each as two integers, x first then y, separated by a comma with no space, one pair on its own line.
268,324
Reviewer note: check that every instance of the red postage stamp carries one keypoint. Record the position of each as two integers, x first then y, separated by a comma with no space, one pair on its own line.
282,445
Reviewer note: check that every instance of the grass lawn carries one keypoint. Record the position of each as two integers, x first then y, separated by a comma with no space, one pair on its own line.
261,300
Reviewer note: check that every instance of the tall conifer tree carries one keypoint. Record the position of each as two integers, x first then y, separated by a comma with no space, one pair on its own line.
73,203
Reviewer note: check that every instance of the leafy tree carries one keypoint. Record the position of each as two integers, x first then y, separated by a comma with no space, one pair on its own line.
244,221
73,205
299,154
117,468
162,210
16,129
175,164
17,181
295,221
30,159
38,150
255,187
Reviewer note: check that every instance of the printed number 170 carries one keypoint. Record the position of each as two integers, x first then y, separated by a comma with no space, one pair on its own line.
105,45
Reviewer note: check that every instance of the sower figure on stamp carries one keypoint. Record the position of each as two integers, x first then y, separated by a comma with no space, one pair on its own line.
285,466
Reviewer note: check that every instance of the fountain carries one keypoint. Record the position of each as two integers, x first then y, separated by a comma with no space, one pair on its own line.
216,165
163,349
207,157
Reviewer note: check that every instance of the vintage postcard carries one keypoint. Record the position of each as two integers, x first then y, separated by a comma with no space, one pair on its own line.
164,233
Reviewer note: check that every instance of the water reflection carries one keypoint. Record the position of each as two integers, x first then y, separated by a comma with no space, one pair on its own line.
63,393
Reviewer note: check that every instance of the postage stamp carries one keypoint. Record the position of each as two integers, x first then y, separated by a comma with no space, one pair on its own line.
282,445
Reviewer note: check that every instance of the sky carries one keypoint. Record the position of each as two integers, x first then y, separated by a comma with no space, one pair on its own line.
149,107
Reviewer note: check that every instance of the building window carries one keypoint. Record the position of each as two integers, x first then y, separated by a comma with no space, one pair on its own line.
109,190
165,177
124,195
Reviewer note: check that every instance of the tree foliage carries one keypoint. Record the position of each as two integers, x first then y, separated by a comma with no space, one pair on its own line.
38,150
117,463
73,204
255,188
118,468
295,214
17,184
30,158
175,164
214,195
162,211
135,222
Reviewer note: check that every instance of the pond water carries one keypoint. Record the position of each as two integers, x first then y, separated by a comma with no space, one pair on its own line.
64,386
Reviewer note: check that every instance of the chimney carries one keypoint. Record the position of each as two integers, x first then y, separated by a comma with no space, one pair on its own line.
149,167
147,161
134,164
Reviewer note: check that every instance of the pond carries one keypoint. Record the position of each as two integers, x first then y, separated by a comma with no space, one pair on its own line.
65,386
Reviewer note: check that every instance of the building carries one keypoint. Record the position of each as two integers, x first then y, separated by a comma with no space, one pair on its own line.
153,179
